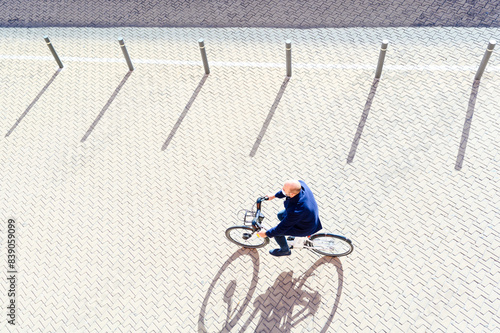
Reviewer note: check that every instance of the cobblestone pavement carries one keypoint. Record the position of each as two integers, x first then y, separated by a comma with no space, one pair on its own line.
115,234
251,13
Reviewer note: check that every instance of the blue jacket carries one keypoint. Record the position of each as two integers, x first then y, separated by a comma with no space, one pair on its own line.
301,215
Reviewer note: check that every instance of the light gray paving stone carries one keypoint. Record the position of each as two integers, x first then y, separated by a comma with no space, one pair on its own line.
128,237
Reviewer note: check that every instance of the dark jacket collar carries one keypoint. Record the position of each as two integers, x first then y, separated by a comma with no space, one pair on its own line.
296,198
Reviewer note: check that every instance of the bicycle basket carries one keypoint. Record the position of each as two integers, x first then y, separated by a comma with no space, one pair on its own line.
248,217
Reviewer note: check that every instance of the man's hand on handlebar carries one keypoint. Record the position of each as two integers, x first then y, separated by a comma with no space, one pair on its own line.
262,234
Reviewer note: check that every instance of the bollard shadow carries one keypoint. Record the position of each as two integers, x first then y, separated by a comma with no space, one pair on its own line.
184,113
111,99
362,122
34,101
467,125
235,305
269,117
291,300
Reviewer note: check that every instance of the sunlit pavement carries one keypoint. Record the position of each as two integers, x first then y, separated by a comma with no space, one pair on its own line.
120,230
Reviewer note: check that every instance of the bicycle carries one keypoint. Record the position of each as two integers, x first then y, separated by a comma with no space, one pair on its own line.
322,243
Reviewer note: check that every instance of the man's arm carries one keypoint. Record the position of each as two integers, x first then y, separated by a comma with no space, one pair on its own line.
287,223
280,229
278,194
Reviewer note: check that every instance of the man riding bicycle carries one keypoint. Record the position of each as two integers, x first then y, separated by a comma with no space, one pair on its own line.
299,218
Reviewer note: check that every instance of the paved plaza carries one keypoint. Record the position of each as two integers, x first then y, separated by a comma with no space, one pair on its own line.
120,230
250,13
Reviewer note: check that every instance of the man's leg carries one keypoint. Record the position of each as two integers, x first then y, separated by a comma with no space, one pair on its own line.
281,240
284,250
281,215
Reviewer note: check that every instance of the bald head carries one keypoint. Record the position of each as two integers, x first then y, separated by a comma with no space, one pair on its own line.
292,187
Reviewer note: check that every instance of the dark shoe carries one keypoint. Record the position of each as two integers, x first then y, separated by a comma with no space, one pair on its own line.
279,253
290,238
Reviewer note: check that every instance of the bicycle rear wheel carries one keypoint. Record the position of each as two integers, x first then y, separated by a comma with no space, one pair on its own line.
246,237
331,245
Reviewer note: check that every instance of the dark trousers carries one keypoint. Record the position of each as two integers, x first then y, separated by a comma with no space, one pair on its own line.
281,239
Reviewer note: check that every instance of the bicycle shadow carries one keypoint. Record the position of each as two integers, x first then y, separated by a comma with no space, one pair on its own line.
288,302
234,309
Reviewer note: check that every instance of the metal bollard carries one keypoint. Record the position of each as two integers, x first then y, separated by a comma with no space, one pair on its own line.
51,48
486,57
288,44
125,54
381,58
201,43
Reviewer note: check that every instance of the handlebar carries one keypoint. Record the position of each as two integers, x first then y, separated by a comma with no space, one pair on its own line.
258,215
264,198
259,201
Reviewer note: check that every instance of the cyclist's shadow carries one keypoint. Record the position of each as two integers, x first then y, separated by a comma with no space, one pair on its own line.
234,309
290,301
277,305
283,306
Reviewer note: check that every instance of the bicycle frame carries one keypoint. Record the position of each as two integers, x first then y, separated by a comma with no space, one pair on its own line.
322,243
257,222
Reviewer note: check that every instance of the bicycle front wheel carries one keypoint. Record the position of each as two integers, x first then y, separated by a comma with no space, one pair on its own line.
246,237
331,245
